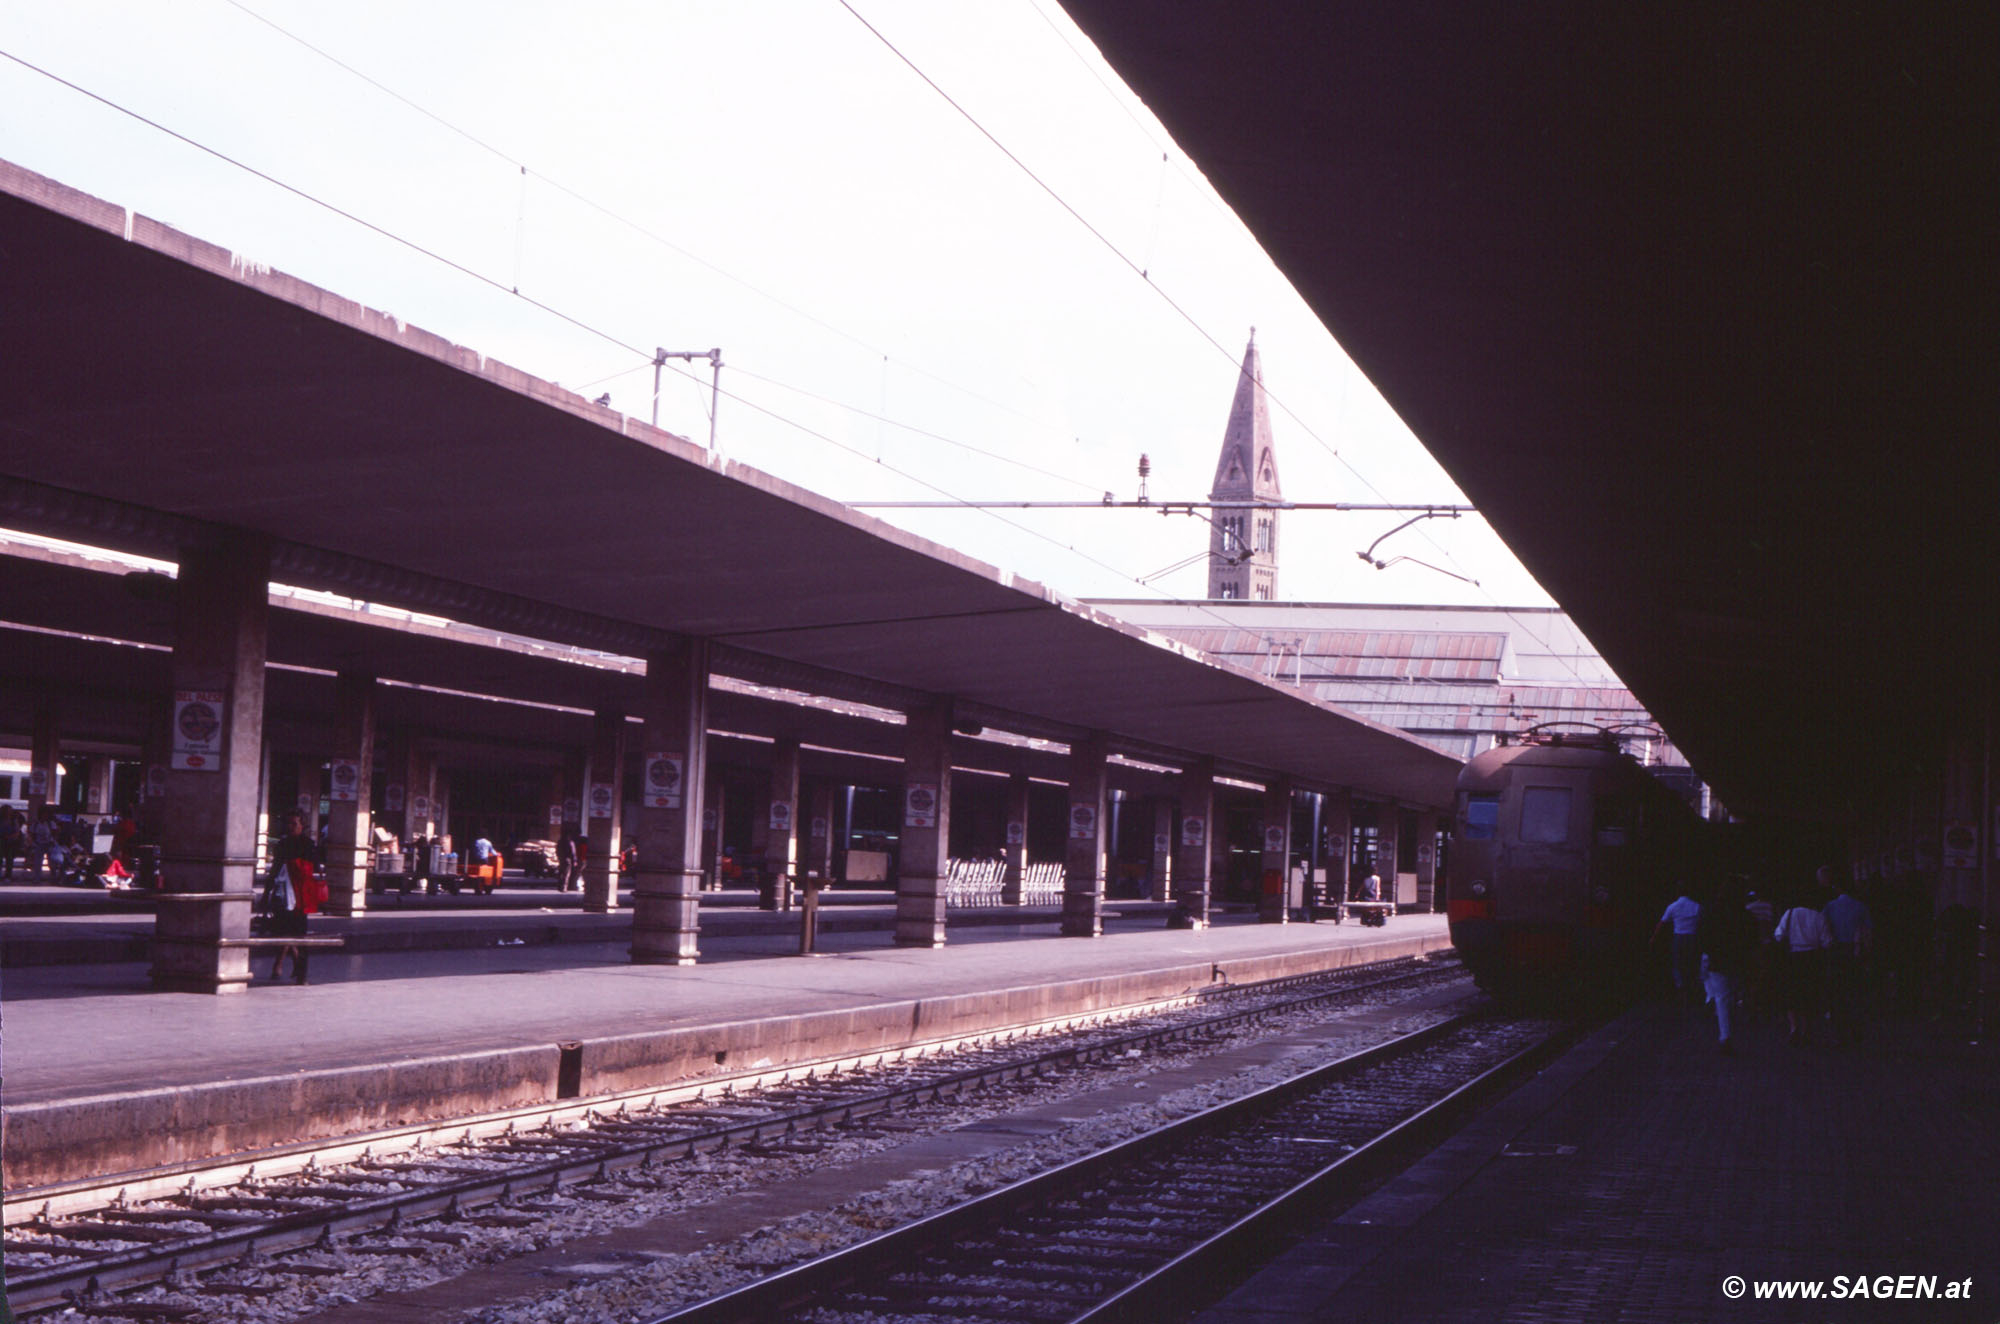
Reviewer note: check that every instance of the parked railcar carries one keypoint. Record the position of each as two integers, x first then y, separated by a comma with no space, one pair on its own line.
1565,852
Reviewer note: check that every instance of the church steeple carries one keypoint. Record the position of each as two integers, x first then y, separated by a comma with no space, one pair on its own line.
1243,544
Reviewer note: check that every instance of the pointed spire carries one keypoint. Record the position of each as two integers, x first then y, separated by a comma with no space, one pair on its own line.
1248,465
1243,544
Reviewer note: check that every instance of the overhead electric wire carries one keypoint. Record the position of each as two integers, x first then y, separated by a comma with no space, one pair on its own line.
635,226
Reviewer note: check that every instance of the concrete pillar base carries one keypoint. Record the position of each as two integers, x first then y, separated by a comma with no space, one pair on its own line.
666,916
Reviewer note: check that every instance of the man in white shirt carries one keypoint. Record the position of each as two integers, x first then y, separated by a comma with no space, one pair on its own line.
1682,917
1805,937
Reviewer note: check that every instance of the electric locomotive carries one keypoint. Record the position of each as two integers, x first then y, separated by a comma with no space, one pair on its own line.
1564,854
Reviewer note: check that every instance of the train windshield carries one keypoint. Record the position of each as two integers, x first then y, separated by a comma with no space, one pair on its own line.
1482,816
1545,814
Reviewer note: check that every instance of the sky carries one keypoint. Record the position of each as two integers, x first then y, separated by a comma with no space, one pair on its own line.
945,253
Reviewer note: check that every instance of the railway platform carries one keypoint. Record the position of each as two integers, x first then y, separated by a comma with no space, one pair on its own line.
1646,1177
104,1075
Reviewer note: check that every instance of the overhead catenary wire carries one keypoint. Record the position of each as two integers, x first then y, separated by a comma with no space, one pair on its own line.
644,231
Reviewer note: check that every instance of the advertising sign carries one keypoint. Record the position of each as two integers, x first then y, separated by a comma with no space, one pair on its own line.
920,805
1017,832
1194,830
781,816
38,782
420,808
601,799
1162,843
392,798
821,828
1083,822
555,815
1274,840
663,782
197,730
343,780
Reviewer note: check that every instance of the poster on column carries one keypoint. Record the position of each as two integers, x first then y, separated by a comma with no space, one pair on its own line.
392,798
572,810
38,782
555,815
198,730
663,782
1017,832
821,829
1162,843
420,808
1194,830
1083,822
343,781
1274,840
156,780
601,798
781,816
920,805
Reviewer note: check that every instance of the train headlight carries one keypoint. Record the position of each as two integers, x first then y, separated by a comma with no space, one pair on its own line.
1479,888
1602,896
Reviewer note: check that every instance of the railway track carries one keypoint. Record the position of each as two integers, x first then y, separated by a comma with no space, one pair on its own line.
219,1231
1138,1231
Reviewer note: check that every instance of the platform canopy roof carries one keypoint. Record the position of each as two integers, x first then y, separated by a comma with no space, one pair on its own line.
154,388
1695,302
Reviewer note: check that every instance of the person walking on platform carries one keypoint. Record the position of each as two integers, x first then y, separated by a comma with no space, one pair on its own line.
1804,934
1759,982
294,893
1727,936
1682,917
1850,931
570,854
13,840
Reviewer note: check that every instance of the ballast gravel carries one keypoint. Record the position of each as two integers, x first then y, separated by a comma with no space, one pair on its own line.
640,1285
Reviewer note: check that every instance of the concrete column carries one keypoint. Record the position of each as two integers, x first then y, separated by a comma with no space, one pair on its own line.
1336,825
1083,862
604,806
711,835
1162,871
818,860
306,797
1388,840
1427,824
97,785
1959,820
666,884
780,820
44,747
1015,839
221,605
1274,886
395,784
350,845
1192,868
926,833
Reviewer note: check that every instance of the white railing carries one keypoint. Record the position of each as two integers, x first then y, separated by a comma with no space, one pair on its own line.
983,883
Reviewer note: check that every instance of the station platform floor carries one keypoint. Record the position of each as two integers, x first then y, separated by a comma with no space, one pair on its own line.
102,1074
1645,1177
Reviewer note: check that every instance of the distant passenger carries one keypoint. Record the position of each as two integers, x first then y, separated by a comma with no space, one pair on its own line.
1850,930
1802,979
293,893
482,851
1728,937
1682,917
13,839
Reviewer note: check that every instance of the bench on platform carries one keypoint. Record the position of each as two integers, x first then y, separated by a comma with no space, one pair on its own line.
1369,912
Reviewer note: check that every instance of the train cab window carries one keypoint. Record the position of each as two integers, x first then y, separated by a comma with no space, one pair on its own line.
1545,814
1482,816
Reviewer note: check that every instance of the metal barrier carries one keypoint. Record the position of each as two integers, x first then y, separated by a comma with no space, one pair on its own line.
982,882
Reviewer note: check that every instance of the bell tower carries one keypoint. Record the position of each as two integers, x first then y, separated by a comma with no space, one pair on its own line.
1243,544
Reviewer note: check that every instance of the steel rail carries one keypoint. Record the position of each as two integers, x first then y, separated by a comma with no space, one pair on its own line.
791,1290
32,1289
